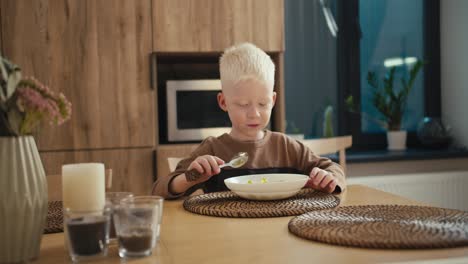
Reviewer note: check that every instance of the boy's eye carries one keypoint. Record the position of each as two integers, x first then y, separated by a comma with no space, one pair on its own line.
242,104
263,104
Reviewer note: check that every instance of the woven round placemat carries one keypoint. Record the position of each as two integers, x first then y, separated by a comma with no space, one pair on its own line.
54,219
228,204
384,226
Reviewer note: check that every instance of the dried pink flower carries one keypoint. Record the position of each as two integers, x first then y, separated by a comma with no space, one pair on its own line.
37,102
26,102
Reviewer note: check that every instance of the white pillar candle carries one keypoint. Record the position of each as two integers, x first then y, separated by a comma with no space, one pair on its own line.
83,186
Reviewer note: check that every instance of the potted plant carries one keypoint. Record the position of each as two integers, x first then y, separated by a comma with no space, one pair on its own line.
391,103
24,104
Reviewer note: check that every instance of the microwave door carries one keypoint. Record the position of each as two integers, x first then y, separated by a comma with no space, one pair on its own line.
193,111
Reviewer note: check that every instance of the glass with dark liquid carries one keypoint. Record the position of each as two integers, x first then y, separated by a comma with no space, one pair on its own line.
87,233
113,200
137,222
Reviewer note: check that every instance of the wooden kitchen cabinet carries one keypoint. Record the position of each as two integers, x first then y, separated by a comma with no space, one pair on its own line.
132,169
213,25
97,53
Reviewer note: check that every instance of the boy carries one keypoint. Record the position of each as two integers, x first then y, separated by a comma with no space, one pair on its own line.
247,79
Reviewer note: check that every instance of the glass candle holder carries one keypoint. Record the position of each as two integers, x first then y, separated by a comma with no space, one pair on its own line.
87,233
137,223
113,200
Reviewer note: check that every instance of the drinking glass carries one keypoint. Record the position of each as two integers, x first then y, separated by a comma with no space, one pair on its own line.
113,200
137,222
87,233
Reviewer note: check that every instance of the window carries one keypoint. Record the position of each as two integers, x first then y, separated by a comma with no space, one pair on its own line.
310,63
373,34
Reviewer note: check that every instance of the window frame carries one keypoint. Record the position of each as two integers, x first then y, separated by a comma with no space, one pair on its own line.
348,69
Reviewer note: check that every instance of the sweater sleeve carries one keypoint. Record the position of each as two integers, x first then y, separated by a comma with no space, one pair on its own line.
308,160
161,186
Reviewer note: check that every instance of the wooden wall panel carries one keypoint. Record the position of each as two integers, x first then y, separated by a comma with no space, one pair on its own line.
213,25
132,169
96,53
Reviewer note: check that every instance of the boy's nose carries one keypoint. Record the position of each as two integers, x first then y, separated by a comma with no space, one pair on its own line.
253,112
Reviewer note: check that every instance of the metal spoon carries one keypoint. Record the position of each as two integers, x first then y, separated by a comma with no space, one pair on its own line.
237,161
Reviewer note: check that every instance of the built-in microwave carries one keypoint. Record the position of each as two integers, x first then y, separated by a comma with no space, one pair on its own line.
192,110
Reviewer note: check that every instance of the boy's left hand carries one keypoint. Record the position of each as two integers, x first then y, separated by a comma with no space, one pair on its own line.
321,180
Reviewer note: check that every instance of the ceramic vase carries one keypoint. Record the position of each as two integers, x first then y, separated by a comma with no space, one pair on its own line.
23,199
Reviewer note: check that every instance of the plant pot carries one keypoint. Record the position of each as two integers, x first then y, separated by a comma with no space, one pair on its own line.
23,199
396,140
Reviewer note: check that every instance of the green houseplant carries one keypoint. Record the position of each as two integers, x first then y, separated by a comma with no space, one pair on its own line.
389,101
24,104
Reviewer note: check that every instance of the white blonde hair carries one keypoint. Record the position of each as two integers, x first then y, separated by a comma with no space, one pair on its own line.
245,61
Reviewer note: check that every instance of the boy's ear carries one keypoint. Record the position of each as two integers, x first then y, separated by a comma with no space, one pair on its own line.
222,101
274,98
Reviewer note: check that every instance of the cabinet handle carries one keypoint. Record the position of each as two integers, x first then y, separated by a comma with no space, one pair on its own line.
153,72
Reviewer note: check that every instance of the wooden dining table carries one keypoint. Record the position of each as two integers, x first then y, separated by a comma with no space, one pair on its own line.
192,238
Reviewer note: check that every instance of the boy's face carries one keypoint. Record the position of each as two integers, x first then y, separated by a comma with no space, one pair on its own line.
249,103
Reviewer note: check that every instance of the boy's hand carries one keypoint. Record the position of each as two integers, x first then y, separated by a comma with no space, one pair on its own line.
321,180
203,168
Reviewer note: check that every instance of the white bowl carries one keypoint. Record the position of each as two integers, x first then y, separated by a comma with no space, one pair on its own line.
267,196
277,185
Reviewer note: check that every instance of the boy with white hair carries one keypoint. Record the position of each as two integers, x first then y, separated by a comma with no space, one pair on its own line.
247,79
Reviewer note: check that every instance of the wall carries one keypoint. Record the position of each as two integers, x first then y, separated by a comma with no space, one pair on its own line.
441,189
454,66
